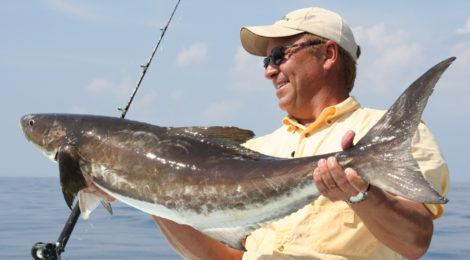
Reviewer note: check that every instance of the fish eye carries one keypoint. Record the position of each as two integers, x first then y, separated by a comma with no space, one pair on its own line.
31,122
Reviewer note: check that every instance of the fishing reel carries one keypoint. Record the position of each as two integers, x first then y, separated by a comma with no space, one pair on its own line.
49,251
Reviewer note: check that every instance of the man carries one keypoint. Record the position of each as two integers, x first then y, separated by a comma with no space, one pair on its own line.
311,60
313,78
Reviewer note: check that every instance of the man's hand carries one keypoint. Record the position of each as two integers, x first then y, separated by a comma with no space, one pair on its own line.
335,183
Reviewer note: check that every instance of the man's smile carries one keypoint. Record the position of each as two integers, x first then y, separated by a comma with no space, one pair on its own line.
280,85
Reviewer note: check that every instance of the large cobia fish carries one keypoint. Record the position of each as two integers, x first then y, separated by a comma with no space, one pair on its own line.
204,178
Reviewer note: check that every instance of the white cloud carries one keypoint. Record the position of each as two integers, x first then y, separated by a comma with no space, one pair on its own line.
195,53
177,94
119,90
218,112
394,57
146,99
98,85
378,36
390,50
465,29
392,64
248,73
75,9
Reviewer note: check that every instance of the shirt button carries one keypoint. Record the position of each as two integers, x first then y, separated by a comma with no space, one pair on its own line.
281,248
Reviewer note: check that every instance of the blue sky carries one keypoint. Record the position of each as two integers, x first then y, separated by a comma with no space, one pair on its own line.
66,56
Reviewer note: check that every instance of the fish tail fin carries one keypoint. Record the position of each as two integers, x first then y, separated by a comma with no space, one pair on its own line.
388,143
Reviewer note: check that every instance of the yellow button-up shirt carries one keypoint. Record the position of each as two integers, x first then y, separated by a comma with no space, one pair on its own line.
325,229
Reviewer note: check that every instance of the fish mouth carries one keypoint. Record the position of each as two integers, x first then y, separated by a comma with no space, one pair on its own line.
52,155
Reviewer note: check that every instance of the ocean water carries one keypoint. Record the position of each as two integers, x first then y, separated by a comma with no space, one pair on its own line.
32,210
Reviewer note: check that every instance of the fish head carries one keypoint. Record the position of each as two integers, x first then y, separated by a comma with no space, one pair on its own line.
45,131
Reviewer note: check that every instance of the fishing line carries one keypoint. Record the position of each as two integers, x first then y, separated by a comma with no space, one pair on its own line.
50,251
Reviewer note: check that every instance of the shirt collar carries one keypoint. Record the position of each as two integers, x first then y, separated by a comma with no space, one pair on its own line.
327,117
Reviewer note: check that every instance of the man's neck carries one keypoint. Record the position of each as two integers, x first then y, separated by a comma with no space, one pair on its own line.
306,122
317,110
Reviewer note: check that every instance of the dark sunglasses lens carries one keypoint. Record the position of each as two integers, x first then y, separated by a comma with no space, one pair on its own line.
277,54
266,62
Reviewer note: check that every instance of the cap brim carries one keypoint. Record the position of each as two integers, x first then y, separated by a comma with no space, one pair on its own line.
255,38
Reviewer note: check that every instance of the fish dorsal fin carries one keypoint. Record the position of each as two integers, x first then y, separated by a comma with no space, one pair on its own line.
402,119
224,134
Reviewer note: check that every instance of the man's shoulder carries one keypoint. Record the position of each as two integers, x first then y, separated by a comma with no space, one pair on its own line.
270,142
368,110
280,130
365,115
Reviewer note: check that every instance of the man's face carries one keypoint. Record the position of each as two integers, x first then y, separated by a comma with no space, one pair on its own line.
297,78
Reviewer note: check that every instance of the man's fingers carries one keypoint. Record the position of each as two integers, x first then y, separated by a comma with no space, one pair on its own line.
355,180
326,182
347,141
340,179
319,181
335,183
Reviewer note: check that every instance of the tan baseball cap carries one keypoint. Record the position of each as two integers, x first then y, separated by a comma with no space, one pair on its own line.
313,20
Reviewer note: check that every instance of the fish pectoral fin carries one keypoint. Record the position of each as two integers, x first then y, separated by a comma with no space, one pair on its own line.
71,177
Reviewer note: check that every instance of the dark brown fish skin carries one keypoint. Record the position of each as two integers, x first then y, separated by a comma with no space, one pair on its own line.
184,164
205,170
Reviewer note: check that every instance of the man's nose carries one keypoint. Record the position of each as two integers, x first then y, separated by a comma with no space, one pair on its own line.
271,71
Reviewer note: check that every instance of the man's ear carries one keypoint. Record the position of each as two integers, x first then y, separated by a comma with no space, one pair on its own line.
331,54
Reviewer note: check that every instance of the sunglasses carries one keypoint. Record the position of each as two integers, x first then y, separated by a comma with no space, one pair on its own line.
277,54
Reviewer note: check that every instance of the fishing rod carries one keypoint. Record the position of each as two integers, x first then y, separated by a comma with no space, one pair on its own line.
146,66
53,251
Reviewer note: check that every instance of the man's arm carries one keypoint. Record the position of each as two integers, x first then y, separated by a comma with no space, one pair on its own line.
403,225
192,244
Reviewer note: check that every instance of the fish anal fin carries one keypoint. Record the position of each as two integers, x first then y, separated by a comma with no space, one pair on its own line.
89,202
71,178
